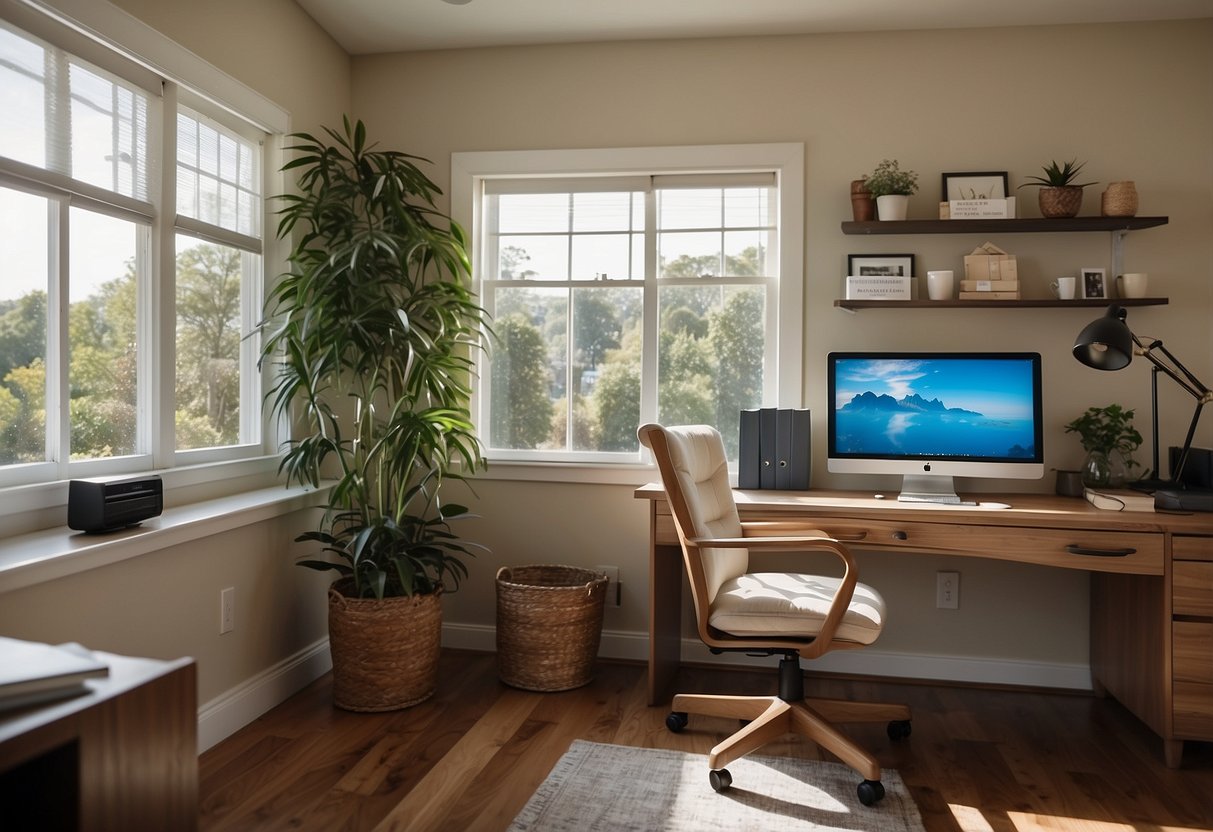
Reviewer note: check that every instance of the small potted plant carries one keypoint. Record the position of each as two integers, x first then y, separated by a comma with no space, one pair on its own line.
892,188
1060,196
1109,438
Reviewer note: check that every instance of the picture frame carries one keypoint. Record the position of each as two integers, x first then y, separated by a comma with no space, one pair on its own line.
974,185
880,265
1094,283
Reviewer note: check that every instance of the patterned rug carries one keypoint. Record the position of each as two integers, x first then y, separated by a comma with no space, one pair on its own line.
613,787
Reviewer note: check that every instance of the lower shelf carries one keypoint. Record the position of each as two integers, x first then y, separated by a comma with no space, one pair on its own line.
997,304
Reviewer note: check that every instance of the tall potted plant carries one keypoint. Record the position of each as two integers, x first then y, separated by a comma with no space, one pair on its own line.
370,334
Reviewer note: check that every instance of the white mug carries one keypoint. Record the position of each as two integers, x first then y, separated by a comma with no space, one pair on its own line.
1063,287
1133,284
939,285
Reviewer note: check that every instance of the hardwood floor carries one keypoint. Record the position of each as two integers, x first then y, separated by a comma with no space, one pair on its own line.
470,757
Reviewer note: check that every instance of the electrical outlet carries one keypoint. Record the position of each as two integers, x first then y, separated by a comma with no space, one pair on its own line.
614,591
227,610
947,590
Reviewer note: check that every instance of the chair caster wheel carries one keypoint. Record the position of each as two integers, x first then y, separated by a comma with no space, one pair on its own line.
899,729
721,779
676,721
870,792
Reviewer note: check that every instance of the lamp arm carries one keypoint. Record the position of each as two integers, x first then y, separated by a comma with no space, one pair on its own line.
1175,370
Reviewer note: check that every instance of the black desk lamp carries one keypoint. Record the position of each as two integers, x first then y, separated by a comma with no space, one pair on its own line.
1108,344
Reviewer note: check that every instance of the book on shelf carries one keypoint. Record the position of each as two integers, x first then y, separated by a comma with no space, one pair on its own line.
1119,499
32,672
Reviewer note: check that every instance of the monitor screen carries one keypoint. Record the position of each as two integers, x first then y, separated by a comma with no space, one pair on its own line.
934,416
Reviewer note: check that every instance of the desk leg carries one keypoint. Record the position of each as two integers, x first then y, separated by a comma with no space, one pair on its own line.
665,620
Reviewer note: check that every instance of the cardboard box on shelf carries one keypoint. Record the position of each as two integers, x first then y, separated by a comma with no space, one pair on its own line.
989,262
877,287
989,285
989,296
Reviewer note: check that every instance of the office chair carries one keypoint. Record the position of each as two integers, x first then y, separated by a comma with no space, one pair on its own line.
767,613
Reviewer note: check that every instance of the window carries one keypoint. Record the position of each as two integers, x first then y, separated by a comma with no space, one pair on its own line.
124,327
619,298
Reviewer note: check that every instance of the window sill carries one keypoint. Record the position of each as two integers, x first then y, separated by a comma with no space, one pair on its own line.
45,555
574,472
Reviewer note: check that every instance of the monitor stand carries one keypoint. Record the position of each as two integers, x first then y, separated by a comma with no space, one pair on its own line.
930,488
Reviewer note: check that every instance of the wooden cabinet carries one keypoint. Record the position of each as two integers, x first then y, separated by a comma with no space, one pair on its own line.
1192,637
123,756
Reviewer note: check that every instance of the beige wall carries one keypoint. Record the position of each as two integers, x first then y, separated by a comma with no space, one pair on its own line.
1133,101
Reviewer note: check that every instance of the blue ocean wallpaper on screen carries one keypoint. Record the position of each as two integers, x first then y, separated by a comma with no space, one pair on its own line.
946,407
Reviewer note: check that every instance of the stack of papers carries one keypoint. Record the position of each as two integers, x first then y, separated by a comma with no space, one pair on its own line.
33,672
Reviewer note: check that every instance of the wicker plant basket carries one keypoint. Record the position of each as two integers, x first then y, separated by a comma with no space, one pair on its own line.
1119,200
549,625
1061,201
385,653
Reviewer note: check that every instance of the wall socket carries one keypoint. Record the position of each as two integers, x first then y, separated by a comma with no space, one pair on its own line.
947,590
614,590
227,610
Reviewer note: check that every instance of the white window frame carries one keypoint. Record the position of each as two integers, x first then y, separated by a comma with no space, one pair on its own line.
470,170
103,34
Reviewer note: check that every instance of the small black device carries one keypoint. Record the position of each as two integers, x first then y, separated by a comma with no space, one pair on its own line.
103,504
1183,499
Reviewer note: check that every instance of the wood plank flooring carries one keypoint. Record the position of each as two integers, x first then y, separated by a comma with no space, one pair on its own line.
979,760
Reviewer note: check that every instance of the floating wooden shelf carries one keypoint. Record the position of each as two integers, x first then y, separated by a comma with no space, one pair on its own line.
998,304
1036,224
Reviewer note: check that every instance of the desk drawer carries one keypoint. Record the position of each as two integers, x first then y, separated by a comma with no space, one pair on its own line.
1192,645
1192,588
1138,553
1192,547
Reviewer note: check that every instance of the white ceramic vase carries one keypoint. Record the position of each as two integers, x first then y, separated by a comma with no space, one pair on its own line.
892,206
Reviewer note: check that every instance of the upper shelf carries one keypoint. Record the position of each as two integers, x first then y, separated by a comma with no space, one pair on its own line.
1035,224
1028,303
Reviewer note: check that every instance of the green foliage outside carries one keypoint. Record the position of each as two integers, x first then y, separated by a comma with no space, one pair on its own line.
102,363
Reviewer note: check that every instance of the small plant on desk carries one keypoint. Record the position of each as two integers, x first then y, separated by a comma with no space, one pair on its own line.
1109,438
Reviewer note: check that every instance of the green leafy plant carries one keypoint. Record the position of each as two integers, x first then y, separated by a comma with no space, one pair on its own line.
889,179
1059,176
369,335
1107,429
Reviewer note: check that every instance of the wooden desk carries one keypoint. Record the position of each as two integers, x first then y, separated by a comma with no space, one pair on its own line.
123,756
1151,586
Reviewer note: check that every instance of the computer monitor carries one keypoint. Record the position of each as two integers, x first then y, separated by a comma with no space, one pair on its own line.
932,416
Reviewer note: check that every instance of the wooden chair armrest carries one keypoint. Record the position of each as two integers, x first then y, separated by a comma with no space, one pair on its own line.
786,528
846,588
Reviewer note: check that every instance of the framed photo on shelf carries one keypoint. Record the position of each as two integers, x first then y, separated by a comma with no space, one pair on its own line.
880,265
1094,283
978,185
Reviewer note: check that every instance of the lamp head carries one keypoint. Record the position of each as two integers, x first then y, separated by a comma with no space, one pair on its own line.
1106,343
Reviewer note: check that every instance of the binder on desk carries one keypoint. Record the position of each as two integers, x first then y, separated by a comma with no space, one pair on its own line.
800,462
783,449
767,451
749,463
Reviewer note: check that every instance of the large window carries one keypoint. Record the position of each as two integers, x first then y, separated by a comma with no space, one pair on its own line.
124,324
619,298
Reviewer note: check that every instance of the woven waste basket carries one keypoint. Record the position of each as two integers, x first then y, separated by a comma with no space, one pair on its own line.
549,625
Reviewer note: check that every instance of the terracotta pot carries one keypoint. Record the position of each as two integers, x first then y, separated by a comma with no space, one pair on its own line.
863,206
1060,202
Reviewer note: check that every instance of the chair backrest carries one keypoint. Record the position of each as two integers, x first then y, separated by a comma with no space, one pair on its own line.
694,470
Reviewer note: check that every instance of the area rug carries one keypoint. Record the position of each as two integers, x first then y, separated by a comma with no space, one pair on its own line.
613,787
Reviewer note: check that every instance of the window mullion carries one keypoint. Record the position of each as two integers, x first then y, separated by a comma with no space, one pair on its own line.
648,349
158,311
58,354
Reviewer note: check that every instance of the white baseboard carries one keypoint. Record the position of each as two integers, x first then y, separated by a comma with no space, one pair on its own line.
229,712
621,644
232,710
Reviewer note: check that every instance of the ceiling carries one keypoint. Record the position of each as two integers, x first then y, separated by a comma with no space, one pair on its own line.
370,26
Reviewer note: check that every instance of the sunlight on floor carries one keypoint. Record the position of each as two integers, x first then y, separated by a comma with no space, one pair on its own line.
971,819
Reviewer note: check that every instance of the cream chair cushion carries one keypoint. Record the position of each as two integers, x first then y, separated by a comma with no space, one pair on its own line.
699,462
787,604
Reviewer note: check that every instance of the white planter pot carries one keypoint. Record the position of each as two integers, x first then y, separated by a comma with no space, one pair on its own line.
892,206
